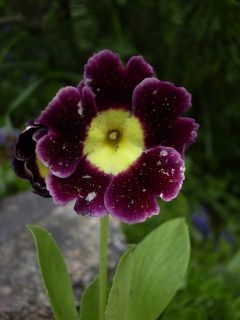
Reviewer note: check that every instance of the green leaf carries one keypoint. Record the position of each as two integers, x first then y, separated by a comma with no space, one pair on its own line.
89,306
121,289
148,277
234,265
54,275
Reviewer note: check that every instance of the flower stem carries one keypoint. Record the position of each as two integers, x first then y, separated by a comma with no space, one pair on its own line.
103,266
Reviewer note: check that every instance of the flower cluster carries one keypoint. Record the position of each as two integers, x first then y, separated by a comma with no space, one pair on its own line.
113,144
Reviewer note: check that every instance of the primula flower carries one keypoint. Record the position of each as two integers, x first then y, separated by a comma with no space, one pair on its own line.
114,143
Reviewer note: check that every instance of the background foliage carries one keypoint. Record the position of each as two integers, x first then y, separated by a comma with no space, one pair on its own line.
196,44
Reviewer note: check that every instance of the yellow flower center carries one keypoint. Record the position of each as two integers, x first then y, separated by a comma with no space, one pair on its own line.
114,141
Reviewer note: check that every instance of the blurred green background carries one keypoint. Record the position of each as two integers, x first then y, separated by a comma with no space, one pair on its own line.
196,44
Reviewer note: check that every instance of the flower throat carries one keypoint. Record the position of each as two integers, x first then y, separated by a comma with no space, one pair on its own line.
113,138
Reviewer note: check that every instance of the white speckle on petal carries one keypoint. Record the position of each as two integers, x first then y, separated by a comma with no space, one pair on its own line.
163,153
80,109
159,163
86,176
91,196
165,172
155,92
144,190
161,195
182,168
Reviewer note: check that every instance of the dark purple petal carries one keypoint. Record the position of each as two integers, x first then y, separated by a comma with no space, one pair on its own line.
113,84
29,170
66,111
38,134
19,168
24,158
40,190
159,101
67,118
131,196
136,70
158,104
104,74
37,181
24,148
87,185
80,86
60,154
89,108
179,134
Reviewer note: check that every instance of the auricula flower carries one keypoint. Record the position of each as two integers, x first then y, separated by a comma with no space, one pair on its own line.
113,144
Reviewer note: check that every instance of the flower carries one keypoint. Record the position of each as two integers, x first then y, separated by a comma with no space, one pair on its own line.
114,143
25,162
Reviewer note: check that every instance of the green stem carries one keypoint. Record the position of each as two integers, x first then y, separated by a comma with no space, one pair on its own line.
103,266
